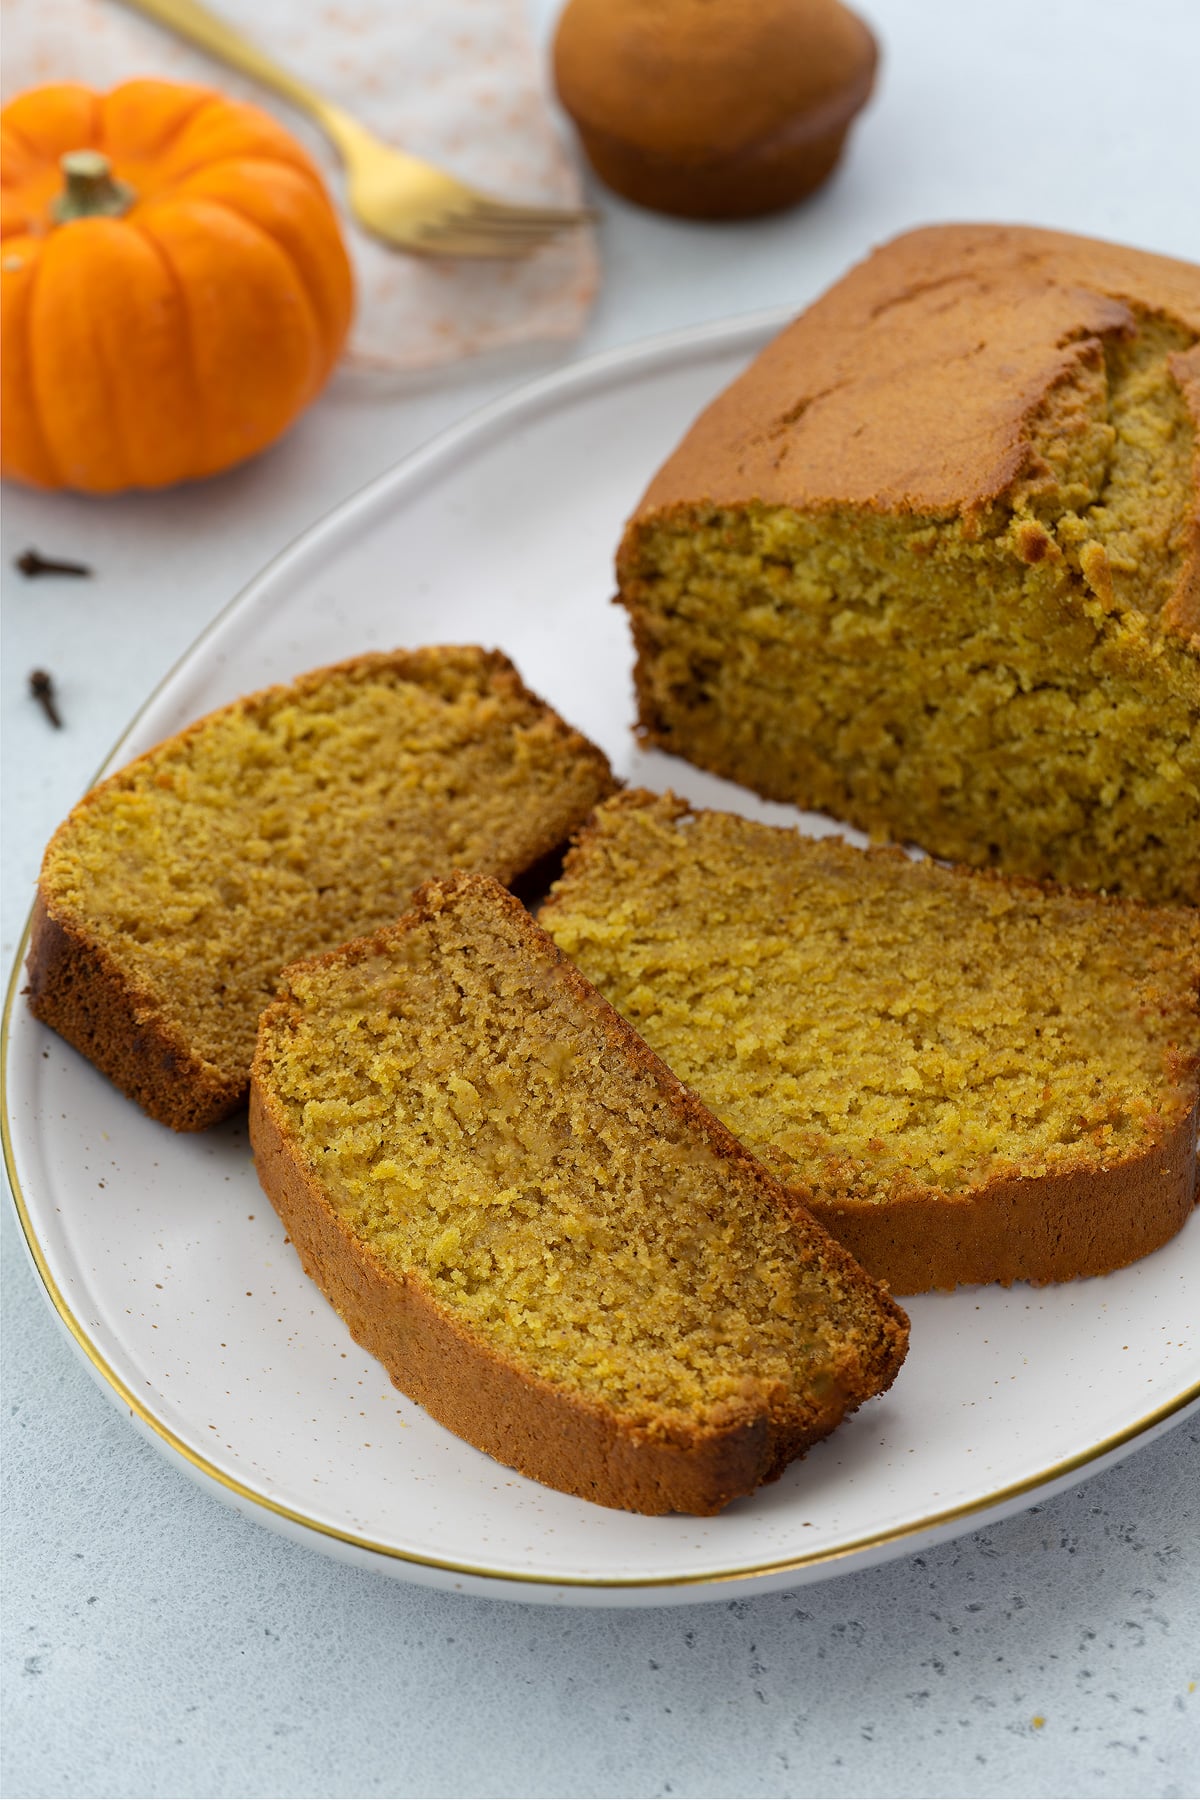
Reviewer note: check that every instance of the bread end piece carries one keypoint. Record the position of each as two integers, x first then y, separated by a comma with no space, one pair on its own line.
76,989
109,1002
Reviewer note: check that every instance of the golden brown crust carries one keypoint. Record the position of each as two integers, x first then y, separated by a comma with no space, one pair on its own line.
552,1436
75,985
713,117
910,385
1044,1228
76,989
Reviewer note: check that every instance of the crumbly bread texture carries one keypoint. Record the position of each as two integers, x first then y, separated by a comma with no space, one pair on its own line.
175,892
541,1234
965,1077
932,564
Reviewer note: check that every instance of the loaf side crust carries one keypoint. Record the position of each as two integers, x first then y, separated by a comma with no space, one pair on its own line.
76,989
1046,1228
552,1436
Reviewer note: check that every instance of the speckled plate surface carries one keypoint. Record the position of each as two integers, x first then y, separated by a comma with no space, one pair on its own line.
169,1268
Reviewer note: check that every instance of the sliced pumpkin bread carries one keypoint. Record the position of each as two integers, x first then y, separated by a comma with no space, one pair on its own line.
966,1078
542,1235
286,823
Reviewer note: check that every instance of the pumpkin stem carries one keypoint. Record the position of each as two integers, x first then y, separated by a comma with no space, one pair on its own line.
92,190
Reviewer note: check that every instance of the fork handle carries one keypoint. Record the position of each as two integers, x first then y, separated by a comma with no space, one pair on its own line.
189,19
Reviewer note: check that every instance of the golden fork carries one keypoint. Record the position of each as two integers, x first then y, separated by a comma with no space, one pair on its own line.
408,203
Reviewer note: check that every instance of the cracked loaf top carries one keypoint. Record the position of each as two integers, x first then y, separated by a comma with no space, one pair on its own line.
965,367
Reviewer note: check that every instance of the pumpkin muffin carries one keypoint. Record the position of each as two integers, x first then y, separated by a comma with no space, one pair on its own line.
932,564
175,892
965,1078
545,1239
713,109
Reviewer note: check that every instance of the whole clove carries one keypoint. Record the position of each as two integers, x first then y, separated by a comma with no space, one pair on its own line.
42,689
32,562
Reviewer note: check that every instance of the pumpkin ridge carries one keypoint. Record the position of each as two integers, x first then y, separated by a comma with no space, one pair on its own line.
302,161
311,175
103,373
24,143
27,144
169,144
35,410
319,358
188,345
59,445
314,316
324,335
179,126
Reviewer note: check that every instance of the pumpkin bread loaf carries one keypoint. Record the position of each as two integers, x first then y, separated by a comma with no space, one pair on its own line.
541,1234
932,564
965,1077
175,892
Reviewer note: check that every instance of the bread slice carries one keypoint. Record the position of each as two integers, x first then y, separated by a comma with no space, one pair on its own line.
175,892
966,1078
541,1234
932,564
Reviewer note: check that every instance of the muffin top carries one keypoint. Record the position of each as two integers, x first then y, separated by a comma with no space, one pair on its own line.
701,79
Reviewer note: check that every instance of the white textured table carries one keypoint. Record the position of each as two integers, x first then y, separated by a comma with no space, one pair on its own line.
156,1643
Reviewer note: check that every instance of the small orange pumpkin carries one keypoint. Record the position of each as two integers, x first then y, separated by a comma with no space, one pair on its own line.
172,308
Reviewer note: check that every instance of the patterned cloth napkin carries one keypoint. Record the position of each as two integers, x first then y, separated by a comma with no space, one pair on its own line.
457,81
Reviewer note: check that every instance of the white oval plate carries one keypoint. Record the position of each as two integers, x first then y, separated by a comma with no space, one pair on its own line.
170,1269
